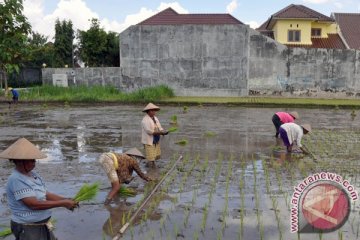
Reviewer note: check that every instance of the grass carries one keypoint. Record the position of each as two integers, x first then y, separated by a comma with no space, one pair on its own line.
49,93
269,101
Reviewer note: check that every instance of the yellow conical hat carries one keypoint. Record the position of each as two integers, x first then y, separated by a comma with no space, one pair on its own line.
22,149
151,106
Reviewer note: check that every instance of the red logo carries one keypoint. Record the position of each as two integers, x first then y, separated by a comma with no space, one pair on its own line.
326,206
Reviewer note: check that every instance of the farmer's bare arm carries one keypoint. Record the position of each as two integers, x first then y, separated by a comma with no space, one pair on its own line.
35,204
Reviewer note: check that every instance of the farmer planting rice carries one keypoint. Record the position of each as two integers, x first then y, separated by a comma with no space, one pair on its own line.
151,132
28,198
291,134
280,118
119,168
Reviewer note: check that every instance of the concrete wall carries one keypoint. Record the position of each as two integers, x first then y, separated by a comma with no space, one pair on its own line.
194,60
224,60
85,76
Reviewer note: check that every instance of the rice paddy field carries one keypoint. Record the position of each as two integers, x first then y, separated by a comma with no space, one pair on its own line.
235,180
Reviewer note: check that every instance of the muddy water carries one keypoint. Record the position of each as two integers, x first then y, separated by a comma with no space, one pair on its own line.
241,139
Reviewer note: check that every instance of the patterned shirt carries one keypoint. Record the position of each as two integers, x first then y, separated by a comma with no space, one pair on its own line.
294,133
20,186
127,165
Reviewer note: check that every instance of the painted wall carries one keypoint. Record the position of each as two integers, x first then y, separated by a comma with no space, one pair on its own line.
282,27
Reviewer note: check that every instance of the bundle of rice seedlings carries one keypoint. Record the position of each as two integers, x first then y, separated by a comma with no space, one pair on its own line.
182,142
172,129
126,192
209,134
5,232
173,119
87,192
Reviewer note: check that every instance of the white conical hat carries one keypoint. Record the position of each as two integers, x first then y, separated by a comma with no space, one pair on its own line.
294,114
22,149
134,152
151,106
307,127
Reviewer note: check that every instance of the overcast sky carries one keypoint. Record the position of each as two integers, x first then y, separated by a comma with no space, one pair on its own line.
117,15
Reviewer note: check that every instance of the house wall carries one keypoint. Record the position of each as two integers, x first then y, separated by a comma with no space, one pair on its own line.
282,27
326,28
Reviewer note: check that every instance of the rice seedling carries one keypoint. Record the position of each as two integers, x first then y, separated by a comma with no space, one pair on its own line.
126,192
204,218
87,192
209,134
172,129
186,215
196,235
5,232
173,119
182,142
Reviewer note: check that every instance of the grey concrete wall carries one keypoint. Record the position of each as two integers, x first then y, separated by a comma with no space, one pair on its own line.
274,68
194,60
85,76
223,60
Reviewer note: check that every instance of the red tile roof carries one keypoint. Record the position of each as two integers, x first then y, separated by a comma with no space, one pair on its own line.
349,24
333,41
300,11
171,17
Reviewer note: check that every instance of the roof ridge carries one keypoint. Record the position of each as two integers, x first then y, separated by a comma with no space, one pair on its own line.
342,13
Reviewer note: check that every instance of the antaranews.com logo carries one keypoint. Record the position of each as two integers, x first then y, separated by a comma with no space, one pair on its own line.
321,203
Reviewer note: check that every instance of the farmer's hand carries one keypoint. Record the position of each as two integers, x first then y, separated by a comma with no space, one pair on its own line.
164,132
70,204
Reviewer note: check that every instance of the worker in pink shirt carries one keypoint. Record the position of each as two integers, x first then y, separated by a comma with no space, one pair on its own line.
280,118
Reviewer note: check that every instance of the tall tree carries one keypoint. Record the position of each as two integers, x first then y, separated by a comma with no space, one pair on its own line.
64,36
92,45
40,51
112,58
14,28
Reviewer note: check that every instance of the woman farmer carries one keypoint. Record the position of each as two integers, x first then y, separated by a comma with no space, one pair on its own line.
150,134
291,134
280,118
28,198
119,168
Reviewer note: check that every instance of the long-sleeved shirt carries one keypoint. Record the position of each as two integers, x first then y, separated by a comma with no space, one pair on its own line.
294,133
285,117
148,127
126,167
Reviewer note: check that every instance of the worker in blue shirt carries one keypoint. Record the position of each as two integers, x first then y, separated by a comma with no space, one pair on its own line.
15,95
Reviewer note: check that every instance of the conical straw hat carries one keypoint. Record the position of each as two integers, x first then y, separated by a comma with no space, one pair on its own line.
134,152
307,127
22,149
294,114
151,106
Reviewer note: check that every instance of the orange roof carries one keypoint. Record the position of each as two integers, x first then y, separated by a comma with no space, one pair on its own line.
333,41
349,24
171,17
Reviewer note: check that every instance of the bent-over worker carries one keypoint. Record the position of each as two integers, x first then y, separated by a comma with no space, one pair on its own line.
119,168
280,118
291,134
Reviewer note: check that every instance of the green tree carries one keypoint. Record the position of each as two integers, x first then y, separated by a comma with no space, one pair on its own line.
112,58
14,29
40,51
64,36
93,45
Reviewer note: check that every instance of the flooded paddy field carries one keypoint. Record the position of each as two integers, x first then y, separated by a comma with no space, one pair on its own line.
235,180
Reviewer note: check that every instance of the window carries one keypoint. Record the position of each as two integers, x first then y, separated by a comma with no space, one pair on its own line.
294,36
316,32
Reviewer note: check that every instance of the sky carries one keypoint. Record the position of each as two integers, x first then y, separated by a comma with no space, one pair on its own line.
117,15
